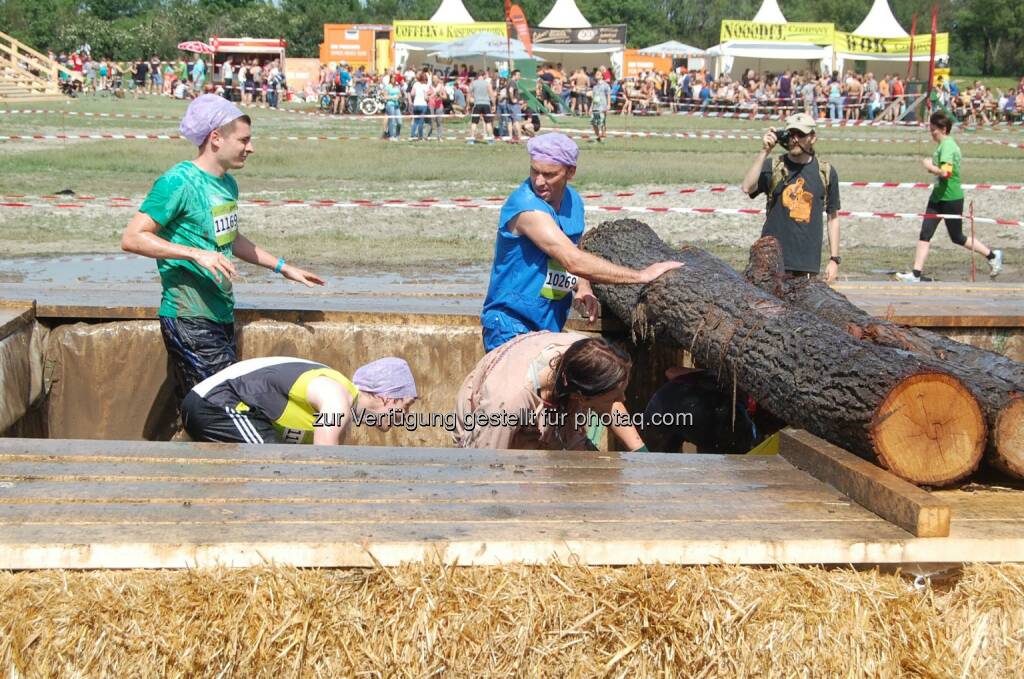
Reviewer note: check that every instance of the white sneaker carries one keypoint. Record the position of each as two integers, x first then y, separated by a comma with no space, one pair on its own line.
908,277
995,265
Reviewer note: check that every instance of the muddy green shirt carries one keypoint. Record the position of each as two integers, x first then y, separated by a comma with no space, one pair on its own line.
194,209
947,157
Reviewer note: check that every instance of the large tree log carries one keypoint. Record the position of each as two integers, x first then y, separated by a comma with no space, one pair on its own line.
988,375
882,404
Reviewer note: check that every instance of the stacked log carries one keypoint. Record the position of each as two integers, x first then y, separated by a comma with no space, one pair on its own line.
995,380
884,404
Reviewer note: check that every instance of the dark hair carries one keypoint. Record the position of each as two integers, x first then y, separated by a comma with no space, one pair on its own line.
589,367
941,120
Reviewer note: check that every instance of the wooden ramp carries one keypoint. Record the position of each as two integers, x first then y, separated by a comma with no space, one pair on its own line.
108,504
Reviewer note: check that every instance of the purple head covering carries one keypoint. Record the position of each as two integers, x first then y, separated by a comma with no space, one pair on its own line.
388,377
204,115
553,147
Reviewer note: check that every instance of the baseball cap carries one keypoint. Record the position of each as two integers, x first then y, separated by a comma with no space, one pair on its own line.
800,122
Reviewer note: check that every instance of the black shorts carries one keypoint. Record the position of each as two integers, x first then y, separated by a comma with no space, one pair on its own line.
483,110
955,227
199,348
205,421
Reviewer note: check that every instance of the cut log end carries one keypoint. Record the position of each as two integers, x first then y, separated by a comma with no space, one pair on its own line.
929,430
1008,437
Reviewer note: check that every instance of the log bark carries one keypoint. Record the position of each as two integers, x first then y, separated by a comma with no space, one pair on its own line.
881,404
989,376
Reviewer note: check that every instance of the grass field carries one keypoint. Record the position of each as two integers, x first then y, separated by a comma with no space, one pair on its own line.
393,239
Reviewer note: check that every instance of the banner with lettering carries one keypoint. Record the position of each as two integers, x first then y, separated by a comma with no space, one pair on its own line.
430,32
754,31
848,43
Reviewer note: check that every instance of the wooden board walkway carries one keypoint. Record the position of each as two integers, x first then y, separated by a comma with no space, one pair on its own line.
941,305
109,504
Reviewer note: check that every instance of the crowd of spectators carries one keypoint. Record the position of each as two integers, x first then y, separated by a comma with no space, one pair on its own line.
342,88
247,81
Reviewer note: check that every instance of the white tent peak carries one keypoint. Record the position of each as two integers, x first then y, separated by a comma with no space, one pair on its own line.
769,13
880,22
452,12
565,14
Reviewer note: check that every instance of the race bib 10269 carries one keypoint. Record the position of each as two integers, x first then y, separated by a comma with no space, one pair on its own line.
558,283
225,223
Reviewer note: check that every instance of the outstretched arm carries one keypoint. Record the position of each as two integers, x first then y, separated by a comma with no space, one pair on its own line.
247,251
541,229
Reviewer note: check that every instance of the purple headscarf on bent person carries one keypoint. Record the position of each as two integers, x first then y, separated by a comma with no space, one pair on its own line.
388,377
553,147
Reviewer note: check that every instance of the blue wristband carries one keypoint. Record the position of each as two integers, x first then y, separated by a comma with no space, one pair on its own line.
280,265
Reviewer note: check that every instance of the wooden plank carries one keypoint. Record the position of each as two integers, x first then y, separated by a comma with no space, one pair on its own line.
200,472
935,305
166,492
325,545
890,497
15,314
748,508
869,542
12,449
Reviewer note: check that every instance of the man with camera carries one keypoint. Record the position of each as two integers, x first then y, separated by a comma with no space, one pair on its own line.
800,188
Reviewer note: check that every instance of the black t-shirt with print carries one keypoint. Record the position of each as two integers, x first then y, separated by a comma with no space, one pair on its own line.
796,217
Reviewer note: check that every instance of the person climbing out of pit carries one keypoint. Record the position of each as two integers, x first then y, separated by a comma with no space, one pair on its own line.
539,271
539,391
292,400
691,407
189,224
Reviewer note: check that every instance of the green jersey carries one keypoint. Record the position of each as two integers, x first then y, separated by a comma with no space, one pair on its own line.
194,209
947,158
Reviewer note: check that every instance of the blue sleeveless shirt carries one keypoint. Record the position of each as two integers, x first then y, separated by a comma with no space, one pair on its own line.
528,287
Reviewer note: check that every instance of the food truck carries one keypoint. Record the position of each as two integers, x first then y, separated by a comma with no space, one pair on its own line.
247,49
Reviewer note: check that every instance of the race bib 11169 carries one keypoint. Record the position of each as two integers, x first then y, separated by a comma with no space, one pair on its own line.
558,283
225,223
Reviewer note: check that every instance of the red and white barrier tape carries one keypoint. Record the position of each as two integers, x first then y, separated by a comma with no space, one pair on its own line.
353,117
573,134
89,114
428,204
123,201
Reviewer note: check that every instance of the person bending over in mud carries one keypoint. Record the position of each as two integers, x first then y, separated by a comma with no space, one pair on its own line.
291,400
541,391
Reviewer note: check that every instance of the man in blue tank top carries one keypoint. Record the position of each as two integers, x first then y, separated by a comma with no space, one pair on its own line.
538,267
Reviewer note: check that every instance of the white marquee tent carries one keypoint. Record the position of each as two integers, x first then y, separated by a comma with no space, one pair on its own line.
565,14
735,56
880,23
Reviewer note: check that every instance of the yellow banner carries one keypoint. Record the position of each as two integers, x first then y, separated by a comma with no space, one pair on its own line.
847,43
428,31
750,31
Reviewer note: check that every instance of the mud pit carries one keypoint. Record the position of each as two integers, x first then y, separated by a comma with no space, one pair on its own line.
112,379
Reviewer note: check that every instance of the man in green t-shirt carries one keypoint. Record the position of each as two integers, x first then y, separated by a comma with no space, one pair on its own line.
947,198
189,224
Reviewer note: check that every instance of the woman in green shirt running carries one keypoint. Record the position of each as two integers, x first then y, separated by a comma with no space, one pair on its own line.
947,198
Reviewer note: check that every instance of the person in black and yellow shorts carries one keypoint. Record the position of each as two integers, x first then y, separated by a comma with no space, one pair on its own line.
291,400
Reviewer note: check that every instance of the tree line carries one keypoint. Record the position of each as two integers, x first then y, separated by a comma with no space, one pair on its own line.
986,36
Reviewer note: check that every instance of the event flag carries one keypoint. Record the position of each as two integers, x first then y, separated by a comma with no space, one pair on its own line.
518,19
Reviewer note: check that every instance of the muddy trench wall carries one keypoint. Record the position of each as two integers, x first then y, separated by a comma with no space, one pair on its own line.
112,380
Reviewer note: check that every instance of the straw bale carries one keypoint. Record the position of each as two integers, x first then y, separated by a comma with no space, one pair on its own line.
565,621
